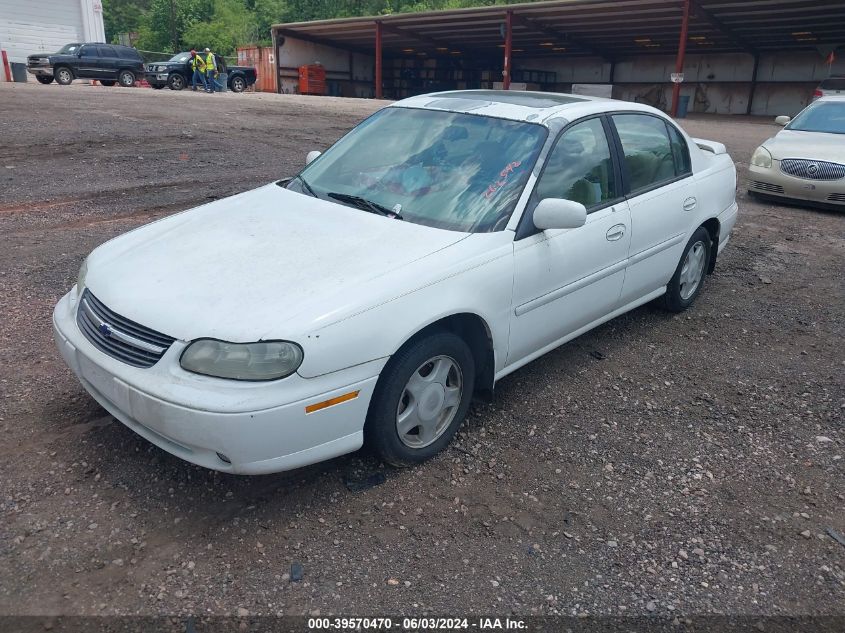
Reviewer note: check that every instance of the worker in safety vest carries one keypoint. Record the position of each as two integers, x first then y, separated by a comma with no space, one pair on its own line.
210,70
198,66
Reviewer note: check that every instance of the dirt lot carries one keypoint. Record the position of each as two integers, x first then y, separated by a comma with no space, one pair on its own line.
658,465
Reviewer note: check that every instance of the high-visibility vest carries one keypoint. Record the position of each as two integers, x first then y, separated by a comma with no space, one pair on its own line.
197,62
210,62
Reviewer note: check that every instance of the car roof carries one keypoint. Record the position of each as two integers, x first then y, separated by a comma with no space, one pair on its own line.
519,105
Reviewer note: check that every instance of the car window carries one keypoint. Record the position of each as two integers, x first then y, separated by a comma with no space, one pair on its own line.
89,51
835,83
822,116
680,150
579,167
107,51
461,172
127,53
649,159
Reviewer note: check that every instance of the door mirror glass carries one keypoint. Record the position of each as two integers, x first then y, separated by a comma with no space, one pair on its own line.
782,120
557,213
311,156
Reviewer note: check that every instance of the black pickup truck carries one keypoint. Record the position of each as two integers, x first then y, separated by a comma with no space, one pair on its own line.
176,73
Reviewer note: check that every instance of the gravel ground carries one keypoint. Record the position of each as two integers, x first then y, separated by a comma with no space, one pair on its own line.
660,464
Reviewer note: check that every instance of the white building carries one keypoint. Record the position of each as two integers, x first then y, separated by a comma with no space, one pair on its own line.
44,26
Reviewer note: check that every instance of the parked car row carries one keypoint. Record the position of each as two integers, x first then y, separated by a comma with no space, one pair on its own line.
112,64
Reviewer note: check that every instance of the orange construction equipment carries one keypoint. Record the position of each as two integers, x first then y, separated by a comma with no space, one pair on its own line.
312,79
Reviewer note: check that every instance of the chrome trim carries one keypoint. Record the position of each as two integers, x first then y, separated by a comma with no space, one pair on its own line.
120,336
812,169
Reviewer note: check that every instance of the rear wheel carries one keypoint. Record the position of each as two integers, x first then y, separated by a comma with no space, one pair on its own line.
44,79
688,279
126,78
421,399
176,81
237,84
63,76
107,82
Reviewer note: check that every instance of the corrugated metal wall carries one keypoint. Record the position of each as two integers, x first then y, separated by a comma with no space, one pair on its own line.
44,26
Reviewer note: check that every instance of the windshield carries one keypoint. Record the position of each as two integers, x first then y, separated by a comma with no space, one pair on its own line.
823,116
459,172
180,57
68,49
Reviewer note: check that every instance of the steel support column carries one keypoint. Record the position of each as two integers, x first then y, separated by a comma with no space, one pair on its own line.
679,60
506,74
379,92
753,83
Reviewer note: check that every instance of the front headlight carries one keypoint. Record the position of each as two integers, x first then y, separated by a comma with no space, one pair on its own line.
80,278
761,157
266,360
161,69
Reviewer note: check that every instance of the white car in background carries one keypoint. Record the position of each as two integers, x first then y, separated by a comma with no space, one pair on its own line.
806,160
443,243
830,87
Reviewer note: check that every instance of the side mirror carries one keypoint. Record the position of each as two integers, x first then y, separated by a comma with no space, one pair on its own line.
311,156
557,213
782,119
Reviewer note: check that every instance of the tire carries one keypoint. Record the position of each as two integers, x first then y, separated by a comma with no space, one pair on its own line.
63,75
107,82
44,79
417,385
237,84
126,78
176,82
688,279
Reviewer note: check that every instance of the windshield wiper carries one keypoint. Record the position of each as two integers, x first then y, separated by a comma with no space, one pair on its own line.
365,205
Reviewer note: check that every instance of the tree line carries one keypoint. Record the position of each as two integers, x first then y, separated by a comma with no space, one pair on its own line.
223,25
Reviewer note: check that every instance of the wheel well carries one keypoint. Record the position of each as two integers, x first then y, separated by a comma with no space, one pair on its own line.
475,332
712,226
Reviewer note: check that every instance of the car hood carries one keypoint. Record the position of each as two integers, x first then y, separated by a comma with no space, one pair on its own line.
267,263
811,145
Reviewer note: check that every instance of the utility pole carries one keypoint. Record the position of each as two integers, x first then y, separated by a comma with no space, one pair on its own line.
173,41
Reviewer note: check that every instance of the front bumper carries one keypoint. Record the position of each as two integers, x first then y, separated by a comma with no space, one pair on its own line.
258,427
772,181
40,70
156,79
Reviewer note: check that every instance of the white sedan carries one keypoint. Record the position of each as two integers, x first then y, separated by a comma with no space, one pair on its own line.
443,243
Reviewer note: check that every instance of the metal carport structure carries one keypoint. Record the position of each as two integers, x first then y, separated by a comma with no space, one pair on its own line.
612,30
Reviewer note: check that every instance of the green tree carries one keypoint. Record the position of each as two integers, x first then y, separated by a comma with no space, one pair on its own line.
123,16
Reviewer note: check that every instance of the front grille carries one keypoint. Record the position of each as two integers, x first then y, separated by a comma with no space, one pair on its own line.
766,186
119,337
836,197
812,169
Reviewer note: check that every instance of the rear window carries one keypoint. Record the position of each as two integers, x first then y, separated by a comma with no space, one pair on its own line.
834,83
128,53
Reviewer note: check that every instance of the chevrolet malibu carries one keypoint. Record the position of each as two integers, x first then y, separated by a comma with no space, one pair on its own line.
443,243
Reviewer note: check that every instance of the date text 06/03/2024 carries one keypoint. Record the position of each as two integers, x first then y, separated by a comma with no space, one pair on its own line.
418,624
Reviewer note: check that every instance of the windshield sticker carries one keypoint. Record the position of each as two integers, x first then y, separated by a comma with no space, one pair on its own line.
503,179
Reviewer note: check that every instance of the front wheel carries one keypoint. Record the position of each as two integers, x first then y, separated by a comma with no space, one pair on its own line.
237,84
688,279
63,76
44,79
176,81
126,78
421,399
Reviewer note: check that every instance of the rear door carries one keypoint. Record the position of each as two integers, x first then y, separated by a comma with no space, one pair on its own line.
661,195
109,62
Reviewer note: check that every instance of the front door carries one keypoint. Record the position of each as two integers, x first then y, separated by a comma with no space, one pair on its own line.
566,279
89,62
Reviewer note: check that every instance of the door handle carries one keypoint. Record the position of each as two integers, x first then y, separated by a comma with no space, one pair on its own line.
615,232
689,204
